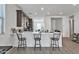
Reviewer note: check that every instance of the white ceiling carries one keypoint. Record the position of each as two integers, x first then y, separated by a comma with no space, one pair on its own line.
53,9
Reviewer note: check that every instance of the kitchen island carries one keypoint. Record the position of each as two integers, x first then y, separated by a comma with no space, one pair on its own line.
45,39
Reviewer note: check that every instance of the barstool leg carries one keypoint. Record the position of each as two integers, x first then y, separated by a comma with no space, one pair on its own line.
53,44
58,45
25,43
21,44
35,45
40,44
18,43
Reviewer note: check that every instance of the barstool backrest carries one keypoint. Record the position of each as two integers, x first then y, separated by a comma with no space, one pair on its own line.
37,35
19,36
56,35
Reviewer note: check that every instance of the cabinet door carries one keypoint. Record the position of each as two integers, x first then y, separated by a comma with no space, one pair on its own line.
19,18
31,24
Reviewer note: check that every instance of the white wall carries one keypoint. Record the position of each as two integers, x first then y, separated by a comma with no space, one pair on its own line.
10,21
65,26
76,22
47,22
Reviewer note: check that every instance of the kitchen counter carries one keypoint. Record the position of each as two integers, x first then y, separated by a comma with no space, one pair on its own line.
45,39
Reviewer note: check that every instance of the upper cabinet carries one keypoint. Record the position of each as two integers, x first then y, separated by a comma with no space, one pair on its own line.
19,18
24,21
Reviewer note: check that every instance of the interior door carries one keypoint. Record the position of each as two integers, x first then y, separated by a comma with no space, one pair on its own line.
71,26
56,24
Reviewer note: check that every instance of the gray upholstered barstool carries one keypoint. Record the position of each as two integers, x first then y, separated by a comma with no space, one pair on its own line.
22,40
37,38
55,40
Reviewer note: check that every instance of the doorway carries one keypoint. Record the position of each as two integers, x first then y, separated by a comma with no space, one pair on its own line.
56,24
71,26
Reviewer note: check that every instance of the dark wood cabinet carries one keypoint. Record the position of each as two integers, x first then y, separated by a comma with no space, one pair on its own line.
24,21
19,18
31,24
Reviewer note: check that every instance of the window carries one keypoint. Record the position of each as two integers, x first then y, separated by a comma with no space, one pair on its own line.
2,17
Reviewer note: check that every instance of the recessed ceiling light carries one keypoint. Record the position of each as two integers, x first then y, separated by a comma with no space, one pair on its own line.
48,13
42,9
60,13
36,13
74,4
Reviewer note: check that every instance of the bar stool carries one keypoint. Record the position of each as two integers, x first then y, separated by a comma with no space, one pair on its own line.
22,40
55,40
37,38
